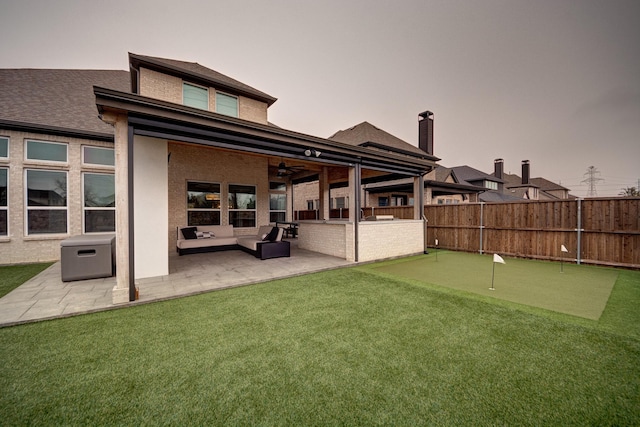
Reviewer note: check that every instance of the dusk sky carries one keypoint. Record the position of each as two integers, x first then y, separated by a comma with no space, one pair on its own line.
556,82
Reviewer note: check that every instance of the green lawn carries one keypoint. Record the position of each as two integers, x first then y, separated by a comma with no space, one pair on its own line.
12,276
352,347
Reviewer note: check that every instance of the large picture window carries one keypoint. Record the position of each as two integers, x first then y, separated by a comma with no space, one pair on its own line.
99,205
226,104
277,202
195,96
203,203
46,195
4,198
242,205
46,151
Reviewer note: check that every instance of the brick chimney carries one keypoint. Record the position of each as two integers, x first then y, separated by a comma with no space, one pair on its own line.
425,132
525,172
498,168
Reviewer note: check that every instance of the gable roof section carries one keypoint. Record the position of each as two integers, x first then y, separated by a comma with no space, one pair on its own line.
470,175
367,135
56,101
196,72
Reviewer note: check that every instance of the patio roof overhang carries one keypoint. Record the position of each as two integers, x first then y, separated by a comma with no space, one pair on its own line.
161,119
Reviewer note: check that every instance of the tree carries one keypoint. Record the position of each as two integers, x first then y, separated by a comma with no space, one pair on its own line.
629,192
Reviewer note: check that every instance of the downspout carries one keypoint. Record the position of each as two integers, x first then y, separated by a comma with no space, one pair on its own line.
132,275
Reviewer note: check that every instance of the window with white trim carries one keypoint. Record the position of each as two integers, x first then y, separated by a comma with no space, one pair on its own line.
4,147
46,151
491,185
4,199
195,96
46,200
242,205
277,201
226,104
203,203
98,156
99,202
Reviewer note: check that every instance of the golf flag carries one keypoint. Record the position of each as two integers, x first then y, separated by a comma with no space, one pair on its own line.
436,242
498,258
563,248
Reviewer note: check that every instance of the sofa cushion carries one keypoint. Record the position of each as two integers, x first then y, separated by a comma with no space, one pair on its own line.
205,234
189,233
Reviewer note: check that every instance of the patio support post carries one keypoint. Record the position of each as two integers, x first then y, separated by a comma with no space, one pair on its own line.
324,194
355,182
418,197
120,292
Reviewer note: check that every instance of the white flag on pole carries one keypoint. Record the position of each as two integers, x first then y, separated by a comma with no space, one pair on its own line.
498,258
563,248
436,242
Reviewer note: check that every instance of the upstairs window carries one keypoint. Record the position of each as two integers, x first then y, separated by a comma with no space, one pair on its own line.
195,96
491,185
4,147
46,151
226,104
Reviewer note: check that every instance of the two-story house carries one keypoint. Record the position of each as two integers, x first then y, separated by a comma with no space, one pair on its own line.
167,144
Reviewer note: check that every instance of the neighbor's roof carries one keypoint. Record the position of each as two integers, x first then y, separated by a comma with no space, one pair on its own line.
56,99
367,135
469,174
201,74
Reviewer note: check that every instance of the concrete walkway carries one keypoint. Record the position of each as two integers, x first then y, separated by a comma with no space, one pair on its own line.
46,296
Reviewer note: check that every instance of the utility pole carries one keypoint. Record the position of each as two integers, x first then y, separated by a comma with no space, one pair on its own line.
592,180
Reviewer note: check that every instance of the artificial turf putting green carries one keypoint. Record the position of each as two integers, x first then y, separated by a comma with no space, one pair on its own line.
579,291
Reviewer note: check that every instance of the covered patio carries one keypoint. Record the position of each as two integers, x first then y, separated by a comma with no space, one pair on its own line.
47,297
161,147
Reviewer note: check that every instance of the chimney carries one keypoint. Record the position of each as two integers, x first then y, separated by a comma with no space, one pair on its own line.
525,172
425,132
498,168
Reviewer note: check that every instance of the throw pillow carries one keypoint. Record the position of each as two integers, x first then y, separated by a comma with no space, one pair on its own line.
273,235
189,233
204,234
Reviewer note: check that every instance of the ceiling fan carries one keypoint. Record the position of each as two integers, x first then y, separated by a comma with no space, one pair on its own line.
284,170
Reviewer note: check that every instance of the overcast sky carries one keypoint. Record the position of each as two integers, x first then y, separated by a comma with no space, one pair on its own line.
556,82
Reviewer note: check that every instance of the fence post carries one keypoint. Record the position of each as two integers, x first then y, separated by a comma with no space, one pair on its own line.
579,230
481,224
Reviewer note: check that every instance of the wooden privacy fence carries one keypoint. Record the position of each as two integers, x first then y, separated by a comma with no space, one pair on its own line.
595,231
602,231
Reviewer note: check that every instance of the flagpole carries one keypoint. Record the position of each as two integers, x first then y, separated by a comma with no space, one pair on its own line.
493,273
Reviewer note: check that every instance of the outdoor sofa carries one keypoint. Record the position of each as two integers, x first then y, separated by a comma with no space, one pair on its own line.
266,244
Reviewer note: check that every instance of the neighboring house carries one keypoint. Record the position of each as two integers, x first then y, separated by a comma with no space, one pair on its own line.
167,144
525,187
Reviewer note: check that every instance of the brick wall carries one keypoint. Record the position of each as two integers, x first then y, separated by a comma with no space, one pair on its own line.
389,239
17,247
169,88
196,163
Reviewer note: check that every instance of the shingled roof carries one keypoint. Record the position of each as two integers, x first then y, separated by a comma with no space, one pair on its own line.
201,74
367,135
56,99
